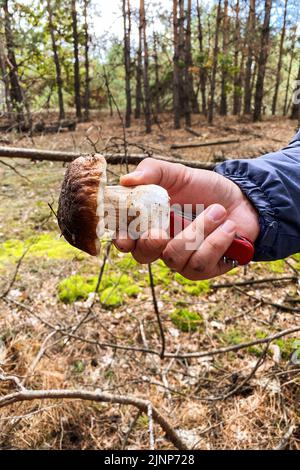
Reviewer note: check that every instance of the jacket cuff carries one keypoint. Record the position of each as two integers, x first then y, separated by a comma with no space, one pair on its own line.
267,219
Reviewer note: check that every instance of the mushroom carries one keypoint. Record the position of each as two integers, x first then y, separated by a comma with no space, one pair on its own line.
89,209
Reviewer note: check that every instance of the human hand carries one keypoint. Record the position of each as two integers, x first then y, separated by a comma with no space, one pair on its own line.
227,212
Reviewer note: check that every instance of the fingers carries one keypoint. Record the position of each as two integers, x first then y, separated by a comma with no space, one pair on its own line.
150,246
207,261
179,250
152,171
124,244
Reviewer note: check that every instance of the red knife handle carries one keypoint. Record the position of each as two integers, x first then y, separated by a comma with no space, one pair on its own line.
241,249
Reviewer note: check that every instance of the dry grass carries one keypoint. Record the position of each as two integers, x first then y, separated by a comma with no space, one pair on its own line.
259,415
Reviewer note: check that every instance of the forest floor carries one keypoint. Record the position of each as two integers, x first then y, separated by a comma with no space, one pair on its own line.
246,398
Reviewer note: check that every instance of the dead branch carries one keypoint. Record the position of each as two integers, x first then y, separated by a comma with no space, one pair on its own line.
192,131
187,145
184,355
113,159
97,396
156,310
253,281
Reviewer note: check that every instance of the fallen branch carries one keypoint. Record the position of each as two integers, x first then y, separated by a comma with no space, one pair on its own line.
192,131
253,281
184,355
97,396
204,144
113,159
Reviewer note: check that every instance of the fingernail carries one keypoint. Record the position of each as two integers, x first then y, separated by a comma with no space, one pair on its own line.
228,226
216,213
134,174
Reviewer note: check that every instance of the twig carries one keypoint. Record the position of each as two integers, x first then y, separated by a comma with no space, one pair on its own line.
151,432
18,265
259,362
130,429
205,144
282,307
286,437
16,171
156,310
97,396
253,281
183,355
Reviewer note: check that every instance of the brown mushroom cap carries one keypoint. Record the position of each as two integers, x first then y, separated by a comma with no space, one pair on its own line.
78,211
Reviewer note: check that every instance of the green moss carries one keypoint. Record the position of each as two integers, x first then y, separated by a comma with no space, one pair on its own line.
185,320
76,288
193,287
111,298
126,262
234,336
161,273
45,245
276,266
132,291
287,346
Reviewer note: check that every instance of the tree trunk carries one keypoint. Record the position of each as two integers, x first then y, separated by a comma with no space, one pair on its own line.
16,92
139,74
224,79
5,78
127,33
176,79
237,88
262,62
59,81
279,65
296,106
214,66
192,97
156,70
186,41
294,37
86,99
76,60
250,39
202,68
181,46
146,69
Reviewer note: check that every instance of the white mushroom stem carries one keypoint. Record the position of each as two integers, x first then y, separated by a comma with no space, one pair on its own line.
132,210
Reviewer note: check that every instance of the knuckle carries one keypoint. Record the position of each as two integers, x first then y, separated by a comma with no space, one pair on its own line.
214,245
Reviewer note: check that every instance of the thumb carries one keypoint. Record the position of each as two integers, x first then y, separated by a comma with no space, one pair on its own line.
153,171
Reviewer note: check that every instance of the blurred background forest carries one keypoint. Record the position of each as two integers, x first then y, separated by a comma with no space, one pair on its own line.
146,358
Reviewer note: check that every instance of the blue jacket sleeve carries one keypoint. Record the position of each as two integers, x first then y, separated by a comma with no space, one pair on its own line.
272,183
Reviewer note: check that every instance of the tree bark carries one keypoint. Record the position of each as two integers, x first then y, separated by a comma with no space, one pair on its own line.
146,69
86,99
203,75
248,74
296,106
127,43
279,65
293,45
59,81
76,60
113,159
176,79
139,74
16,92
262,62
224,79
5,78
156,70
189,63
214,66
237,87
